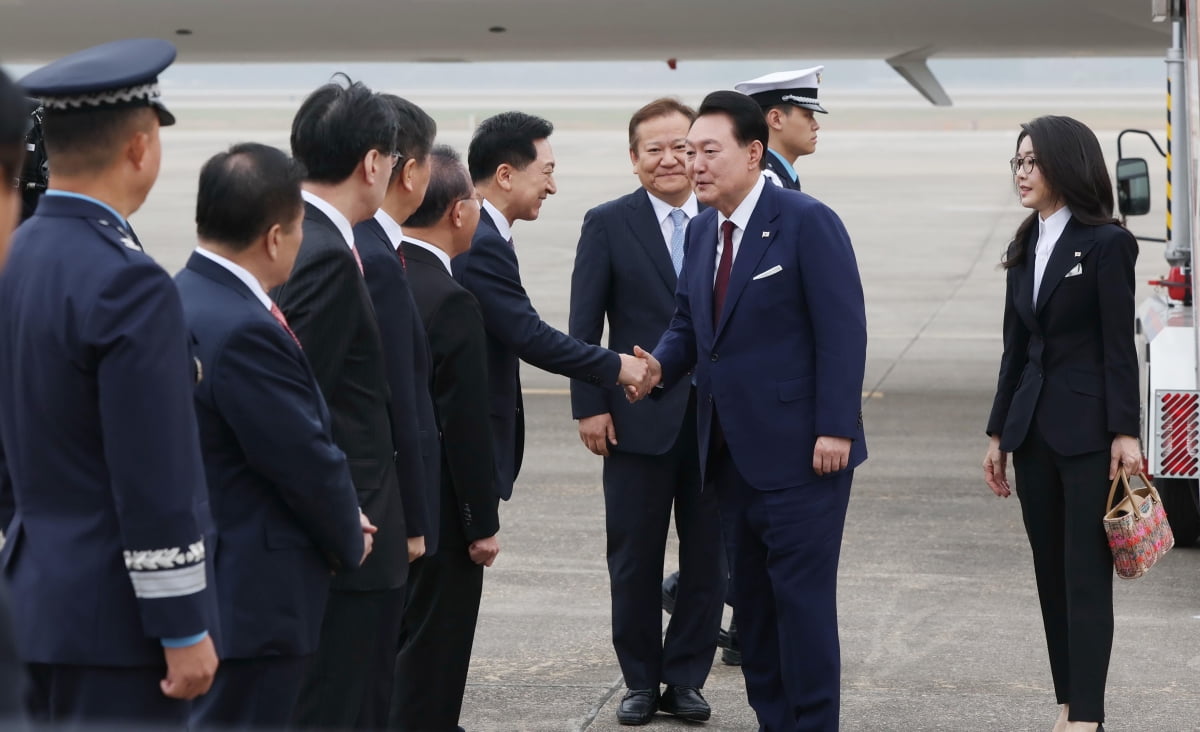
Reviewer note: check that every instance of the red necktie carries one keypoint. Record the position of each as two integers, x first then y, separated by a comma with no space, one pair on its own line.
721,286
403,262
278,315
357,259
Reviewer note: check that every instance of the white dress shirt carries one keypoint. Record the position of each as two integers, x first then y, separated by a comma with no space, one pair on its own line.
740,218
1049,232
241,273
442,256
394,233
498,218
340,221
662,211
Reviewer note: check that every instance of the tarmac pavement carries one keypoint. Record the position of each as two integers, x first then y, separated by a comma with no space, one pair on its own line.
939,619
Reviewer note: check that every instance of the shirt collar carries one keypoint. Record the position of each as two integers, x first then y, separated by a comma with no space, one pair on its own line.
662,209
786,165
70,194
394,233
442,256
741,215
1052,228
339,220
241,273
498,219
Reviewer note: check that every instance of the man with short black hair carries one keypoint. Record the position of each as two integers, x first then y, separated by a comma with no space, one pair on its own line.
788,100
512,166
344,134
101,480
770,313
626,268
445,588
279,487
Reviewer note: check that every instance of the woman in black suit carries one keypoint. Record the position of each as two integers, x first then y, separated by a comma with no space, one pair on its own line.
1066,402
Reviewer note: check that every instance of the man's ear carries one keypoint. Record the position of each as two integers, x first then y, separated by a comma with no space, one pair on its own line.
633,158
775,118
138,148
371,166
756,152
271,241
504,176
408,173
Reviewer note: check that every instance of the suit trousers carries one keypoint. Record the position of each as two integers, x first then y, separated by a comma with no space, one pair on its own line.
349,683
82,697
786,546
639,491
438,631
251,693
1062,503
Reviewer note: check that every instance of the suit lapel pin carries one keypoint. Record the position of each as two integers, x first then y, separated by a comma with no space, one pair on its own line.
766,235
1078,254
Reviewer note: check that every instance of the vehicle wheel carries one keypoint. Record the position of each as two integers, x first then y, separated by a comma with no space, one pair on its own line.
1180,503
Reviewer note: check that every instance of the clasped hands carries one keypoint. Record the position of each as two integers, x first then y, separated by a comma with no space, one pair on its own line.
640,373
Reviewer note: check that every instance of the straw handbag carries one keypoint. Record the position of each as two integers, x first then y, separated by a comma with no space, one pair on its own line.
1137,528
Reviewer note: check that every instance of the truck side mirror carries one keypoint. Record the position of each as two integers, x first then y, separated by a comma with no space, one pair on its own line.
1133,187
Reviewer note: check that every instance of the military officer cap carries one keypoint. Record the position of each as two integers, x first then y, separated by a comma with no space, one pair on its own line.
116,75
786,87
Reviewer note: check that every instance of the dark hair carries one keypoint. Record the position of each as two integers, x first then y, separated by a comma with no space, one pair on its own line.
663,107
244,192
448,184
1072,164
415,131
337,126
507,137
83,142
14,121
749,122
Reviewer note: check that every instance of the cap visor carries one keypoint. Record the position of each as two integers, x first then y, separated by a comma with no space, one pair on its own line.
166,119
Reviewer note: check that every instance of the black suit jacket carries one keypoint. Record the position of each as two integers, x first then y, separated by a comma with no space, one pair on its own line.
328,306
516,331
279,488
458,343
414,426
784,178
1069,362
623,271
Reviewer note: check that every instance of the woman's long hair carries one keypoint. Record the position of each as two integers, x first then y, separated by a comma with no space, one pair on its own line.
1072,164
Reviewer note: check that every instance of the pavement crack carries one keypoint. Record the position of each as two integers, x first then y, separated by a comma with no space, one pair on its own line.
594,710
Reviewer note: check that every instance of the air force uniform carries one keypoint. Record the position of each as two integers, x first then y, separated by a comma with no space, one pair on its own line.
104,501
798,88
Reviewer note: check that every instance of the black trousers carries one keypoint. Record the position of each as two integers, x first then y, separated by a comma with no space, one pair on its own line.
639,493
1062,503
438,631
80,697
785,546
251,693
349,682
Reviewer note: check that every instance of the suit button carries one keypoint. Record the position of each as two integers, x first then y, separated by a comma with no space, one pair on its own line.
715,357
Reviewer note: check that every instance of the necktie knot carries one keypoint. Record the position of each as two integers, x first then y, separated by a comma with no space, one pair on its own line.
677,217
727,232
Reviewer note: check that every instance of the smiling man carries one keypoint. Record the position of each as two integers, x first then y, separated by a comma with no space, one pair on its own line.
770,312
788,100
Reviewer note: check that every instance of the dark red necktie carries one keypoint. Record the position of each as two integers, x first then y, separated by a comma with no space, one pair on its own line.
357,258
278,315
403,261
721,286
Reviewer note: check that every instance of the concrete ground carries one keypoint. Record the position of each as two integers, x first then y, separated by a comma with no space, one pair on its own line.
940,625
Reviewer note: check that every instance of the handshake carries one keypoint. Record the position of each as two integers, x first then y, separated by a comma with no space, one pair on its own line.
640,373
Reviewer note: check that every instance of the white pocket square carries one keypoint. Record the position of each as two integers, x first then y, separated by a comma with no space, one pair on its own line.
1076,270
772,271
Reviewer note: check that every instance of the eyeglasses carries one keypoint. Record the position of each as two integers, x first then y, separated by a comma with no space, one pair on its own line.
477,198
1026,164
397,157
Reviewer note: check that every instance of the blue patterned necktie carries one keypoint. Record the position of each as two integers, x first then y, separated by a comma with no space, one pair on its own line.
679,219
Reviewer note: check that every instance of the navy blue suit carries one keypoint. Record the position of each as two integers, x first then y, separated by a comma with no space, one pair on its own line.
781,172
108,527
516,332
414,426
783,365
280,492
623,271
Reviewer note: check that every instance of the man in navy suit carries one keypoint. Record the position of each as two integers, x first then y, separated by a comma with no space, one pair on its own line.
344,134
280,490
414,427
626,268
769,310
101,480
445,588
512,167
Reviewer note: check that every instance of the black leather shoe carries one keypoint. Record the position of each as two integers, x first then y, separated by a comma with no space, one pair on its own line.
731,653
638,706
670,588
685,702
